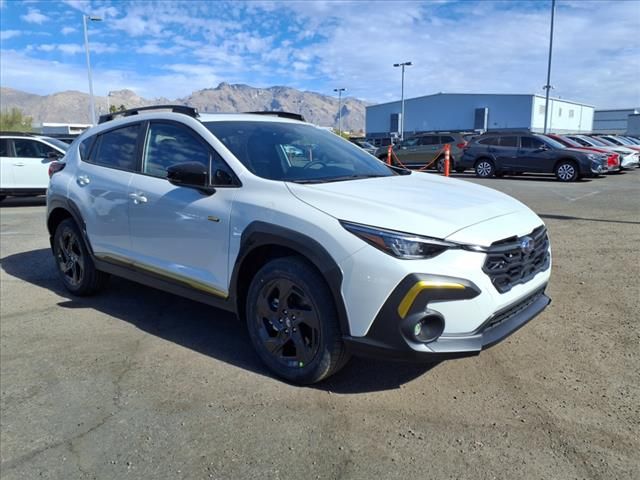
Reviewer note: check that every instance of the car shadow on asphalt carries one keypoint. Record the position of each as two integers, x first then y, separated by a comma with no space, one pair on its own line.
13,202
199,327
548,216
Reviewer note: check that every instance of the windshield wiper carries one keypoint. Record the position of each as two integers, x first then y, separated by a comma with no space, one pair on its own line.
336,179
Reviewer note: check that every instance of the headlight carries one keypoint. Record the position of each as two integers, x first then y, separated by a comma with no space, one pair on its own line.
398,244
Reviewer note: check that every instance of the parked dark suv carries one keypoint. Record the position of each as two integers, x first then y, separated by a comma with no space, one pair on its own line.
499,154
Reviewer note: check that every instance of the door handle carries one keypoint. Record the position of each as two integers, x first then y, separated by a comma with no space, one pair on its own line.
19,164
138,198
83,180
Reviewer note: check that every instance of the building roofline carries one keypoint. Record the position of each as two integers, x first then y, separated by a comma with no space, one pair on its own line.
634,109
486,94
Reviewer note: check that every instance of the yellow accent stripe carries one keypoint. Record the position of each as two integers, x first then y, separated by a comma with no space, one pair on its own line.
412,294
163,273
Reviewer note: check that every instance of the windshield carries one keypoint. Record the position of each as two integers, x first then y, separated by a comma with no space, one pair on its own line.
550,141
296,152
58,143
620,140
597,141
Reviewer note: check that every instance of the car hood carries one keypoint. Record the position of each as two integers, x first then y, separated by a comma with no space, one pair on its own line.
420,203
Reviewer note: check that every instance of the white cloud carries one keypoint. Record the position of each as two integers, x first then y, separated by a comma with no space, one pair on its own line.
7,34
68,30
34,16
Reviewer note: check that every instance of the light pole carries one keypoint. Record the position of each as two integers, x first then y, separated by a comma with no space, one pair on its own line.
401,123
548,86
339,90
86,18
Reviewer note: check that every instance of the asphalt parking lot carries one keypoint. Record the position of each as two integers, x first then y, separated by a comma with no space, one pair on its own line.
136,383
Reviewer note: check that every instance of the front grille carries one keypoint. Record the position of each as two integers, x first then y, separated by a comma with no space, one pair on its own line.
509,264
511,311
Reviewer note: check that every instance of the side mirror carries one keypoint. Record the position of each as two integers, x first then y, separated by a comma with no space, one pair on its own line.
53,156
190,175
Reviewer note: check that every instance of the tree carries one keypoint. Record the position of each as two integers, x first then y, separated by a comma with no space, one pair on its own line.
114,109
343,134
14,120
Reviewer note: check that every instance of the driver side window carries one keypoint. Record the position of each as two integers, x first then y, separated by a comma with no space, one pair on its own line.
168,144
531,143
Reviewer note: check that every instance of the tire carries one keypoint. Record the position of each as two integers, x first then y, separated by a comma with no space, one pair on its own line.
292,322
484,168
567,171
73,261
440,165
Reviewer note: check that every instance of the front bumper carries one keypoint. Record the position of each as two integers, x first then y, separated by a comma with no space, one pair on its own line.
387,337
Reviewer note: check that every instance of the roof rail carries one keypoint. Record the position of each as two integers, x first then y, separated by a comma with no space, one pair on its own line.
292,116
184,109
19,134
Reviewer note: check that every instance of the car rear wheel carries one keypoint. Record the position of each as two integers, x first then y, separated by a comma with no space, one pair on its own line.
74,264
292,322
566,171
484,168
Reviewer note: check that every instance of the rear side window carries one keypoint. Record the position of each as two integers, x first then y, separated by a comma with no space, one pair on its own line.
429,140
31,148
446,139
117,148
85,147
489,141
4,147
509,141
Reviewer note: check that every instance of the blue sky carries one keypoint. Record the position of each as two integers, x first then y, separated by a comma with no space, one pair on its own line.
169,49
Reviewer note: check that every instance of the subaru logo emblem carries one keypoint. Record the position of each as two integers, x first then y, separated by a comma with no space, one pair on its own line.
526,245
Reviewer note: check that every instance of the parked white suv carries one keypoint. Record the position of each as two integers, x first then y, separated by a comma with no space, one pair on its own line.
24,162
324,250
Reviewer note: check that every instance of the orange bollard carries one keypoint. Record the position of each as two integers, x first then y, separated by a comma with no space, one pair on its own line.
389,155
446,159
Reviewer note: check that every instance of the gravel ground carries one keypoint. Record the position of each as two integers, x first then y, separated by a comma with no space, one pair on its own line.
136,383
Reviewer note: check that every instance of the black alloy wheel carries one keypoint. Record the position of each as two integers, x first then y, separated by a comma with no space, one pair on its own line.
75,266
292,322
71,259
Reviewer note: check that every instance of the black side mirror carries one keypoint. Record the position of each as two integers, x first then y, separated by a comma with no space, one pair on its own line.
54,156
190,175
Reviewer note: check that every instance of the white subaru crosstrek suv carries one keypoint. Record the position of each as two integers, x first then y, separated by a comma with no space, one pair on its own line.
321,248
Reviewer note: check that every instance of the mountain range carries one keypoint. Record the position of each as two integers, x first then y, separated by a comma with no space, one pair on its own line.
73,106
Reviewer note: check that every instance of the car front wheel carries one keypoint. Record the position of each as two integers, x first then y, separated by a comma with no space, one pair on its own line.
566,171
292,322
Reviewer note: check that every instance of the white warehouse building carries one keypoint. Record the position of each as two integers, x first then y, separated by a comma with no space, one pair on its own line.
474,112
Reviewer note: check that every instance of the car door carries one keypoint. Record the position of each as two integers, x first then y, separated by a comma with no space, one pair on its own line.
429,148
6,164
31,163
407,151
535,155
506,153
180,232
101,190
